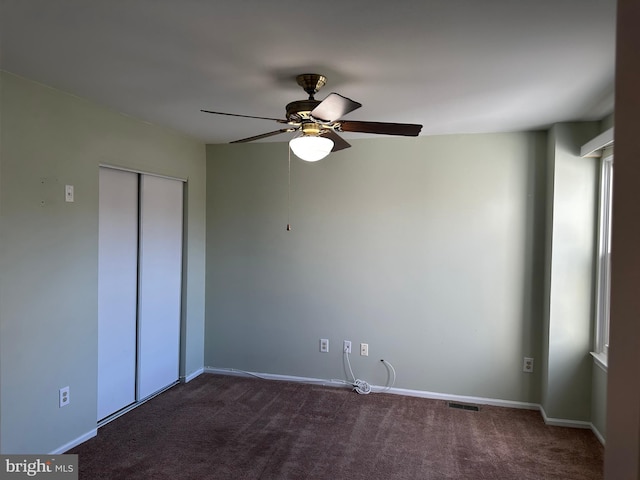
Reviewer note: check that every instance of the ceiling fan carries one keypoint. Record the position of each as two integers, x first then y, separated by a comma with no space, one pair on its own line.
319,121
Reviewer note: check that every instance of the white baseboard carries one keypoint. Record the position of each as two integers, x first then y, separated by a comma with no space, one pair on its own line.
193,375
561,422
272,376
74,443
496,402
598,435
377,388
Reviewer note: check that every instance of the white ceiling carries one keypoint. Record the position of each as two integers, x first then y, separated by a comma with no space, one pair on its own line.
455,66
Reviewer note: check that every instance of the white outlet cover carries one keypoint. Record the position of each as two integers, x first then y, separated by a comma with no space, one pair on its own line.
527,365
64,396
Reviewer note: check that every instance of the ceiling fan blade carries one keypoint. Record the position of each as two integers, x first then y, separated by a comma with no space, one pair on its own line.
381,128
264,135
279,120
333,107
339,143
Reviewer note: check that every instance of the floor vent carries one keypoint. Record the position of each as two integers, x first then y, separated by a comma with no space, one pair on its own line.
463,406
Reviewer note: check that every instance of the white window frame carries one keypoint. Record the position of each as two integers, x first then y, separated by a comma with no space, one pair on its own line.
603,271
601,147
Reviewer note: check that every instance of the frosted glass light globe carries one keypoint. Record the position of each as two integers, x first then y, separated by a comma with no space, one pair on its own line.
310,148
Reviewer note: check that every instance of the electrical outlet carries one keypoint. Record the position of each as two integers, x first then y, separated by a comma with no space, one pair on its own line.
324,345
64,396
527,366
364,349
68,193
346,347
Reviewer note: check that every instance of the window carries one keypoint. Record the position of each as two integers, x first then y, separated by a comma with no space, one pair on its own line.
603,281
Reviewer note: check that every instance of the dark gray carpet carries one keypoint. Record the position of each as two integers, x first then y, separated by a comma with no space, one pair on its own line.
219,427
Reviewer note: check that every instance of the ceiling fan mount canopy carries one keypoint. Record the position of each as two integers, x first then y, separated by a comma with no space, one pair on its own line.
315,118
311,83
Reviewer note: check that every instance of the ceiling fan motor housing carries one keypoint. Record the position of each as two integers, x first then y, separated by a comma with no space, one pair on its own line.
300,109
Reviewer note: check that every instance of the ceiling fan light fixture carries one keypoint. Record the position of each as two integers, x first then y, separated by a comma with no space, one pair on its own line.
319,122
311,148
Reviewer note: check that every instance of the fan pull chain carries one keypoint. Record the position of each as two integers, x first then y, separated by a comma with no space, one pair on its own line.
289,192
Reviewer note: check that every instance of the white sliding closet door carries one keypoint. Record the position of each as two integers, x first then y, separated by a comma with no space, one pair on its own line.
160,280
117,290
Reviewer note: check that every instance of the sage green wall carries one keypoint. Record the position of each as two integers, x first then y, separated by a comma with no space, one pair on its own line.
429,249
49,256
569,278
599,400
607,122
